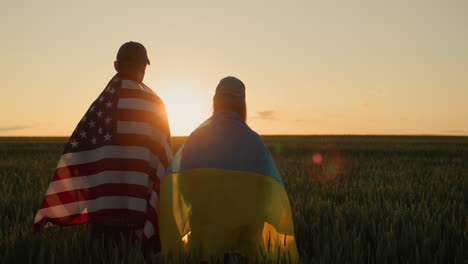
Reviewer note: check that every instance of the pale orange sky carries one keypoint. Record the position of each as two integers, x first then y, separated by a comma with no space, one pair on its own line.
310,67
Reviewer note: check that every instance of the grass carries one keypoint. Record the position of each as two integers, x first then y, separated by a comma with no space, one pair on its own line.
371,199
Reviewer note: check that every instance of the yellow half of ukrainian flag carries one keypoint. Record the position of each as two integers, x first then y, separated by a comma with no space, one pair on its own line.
210,212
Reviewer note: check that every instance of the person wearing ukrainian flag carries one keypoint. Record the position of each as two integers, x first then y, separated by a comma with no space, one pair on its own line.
222,193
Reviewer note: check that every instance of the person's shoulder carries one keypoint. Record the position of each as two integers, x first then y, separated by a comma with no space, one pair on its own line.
256,140
150,91
252,132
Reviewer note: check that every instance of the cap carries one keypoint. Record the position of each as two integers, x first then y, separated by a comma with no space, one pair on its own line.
132,52
230,86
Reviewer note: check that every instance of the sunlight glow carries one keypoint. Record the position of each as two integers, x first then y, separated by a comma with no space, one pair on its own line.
186,108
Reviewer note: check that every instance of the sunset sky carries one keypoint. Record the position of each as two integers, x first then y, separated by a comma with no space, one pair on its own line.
310,67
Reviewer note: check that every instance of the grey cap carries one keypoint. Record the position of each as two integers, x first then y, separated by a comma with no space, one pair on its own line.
132,52
231,86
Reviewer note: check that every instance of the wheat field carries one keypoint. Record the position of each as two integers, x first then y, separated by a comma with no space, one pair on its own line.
355,199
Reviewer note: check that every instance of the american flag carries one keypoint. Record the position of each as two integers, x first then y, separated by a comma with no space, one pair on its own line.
110,169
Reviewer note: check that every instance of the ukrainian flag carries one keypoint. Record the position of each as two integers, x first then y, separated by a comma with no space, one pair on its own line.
222,194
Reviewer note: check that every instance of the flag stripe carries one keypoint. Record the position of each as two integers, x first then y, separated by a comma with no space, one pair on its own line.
107,202
159,152
104,177
152,214
126,127
91,168
151,226
106,190
131,93
117,152
128,84
148,230
138,104
143,116
153,199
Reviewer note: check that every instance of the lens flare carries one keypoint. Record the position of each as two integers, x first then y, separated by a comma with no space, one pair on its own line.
326,163
317,158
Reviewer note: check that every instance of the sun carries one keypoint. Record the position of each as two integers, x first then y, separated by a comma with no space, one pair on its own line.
186,108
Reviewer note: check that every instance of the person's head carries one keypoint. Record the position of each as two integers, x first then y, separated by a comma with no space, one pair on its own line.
131,61
230,95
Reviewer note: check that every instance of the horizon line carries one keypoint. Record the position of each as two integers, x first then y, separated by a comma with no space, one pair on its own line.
292,135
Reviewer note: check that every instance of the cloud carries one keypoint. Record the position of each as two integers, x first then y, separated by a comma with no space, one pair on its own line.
14,128
266,115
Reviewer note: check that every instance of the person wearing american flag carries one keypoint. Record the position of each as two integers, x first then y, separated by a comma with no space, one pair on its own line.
108,175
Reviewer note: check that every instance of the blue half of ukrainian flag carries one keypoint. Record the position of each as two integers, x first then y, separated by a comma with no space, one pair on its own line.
223,194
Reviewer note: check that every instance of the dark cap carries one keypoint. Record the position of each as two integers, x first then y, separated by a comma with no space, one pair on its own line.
132,52
231,86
